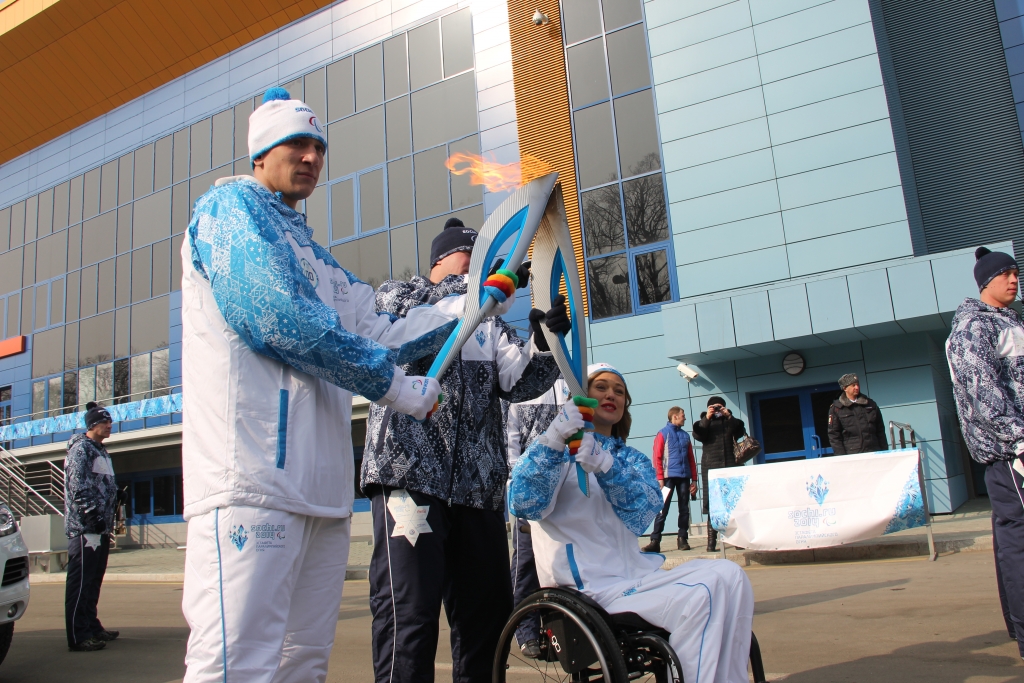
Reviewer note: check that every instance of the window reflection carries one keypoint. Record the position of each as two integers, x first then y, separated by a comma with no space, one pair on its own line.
595,145
581,19
620,12
652,277
646,217
343,207
371,201
602,220
627,58
638,138
588,77
609,287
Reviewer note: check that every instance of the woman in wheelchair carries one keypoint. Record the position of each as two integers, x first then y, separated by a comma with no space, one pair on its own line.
590,542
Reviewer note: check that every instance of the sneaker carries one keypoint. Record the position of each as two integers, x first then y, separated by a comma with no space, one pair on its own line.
682,544
88,645
531,649
652,547
107,636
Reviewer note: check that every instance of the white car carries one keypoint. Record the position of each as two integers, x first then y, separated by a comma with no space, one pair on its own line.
14,589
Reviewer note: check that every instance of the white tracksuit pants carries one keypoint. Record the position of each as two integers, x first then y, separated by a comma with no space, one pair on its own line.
708,608
262,593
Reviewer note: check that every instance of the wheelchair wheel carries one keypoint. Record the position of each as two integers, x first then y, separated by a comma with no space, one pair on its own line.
576,644
651,658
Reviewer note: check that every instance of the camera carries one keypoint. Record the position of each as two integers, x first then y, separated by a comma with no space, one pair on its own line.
686,371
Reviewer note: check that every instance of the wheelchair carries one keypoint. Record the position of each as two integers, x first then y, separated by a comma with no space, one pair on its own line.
580,641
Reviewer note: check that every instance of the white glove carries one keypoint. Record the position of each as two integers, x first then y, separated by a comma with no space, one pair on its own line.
411,395
591,457
567,422
503,309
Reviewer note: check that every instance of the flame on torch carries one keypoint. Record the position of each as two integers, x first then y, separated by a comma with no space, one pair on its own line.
494,176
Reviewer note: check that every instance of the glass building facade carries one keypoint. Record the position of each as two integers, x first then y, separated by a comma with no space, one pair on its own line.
756,179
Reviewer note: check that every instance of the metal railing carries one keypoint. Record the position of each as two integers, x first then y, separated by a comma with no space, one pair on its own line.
903,429
31,488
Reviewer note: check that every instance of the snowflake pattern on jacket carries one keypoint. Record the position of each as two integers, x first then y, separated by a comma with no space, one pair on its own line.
239,245
985,351
459,455
629,485
90,492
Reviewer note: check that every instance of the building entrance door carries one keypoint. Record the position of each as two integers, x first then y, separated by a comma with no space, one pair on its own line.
792,424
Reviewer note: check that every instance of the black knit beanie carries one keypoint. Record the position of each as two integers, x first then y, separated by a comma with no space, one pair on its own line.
455,237
990,264
95,414
716,400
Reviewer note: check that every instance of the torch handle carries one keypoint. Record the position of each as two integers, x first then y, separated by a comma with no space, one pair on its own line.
586,406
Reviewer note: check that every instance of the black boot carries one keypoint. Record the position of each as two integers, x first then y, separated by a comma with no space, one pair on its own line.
652,547
682,543
712,540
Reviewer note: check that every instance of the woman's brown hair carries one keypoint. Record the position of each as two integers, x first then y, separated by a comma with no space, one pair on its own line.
620,429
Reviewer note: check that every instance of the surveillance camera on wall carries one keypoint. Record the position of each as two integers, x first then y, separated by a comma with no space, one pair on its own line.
686,371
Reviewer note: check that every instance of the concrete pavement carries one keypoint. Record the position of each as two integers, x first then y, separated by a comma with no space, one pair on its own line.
903,619
967,530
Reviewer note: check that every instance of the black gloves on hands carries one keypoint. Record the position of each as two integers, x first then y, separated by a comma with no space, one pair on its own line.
522,274
556,319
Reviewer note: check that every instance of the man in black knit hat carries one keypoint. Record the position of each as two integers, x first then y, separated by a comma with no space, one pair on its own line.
90,498
437,488
985,351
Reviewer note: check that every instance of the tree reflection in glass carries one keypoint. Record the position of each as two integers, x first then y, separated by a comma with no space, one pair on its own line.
602,219
652,277
609,287
646,217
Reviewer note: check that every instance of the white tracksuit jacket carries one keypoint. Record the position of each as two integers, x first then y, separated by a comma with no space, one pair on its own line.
276,337
590,544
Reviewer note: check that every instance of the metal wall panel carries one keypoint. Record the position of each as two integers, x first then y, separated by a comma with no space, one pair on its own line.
960,123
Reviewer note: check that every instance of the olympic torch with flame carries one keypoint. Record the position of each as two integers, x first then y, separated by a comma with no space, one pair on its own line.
516,219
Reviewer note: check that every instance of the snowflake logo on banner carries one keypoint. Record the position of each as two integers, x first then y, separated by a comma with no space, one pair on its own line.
410,518
817,489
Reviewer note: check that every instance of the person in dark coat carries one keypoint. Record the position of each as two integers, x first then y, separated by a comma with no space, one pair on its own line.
855,423
718,431
90,499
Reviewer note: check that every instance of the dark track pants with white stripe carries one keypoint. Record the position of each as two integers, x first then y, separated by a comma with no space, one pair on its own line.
1007,500
524,578
463,562
87,563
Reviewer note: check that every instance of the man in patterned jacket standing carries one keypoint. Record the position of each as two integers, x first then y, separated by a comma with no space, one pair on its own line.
437,488
986,357
90,498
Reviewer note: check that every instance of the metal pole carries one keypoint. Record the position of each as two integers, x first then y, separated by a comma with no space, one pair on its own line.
932,555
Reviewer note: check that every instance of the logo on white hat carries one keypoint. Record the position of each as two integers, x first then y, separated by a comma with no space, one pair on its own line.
313,122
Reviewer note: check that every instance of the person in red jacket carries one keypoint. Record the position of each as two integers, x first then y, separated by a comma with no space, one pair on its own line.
676,469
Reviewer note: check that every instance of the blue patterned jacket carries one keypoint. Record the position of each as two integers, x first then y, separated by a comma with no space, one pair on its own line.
629,486
985,351
588,542
459,454
90,492
276,336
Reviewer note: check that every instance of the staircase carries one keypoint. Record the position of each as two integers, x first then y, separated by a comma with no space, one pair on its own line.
31,489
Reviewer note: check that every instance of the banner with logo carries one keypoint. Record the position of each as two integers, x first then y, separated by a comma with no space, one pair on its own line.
817,503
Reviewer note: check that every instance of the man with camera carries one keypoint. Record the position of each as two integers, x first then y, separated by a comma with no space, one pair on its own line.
718,431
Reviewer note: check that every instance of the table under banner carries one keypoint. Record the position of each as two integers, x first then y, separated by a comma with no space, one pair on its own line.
820,502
